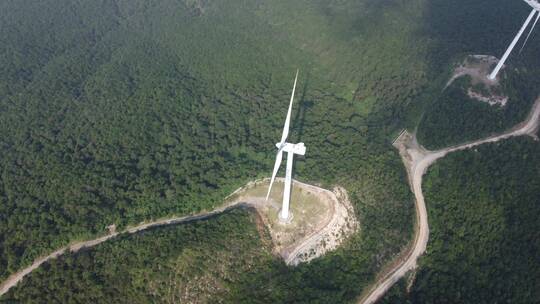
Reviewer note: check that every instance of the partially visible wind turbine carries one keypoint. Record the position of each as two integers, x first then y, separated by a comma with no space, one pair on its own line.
536,10
291,150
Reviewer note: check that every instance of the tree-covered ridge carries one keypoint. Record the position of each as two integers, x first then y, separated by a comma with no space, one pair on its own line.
455,118
223,259
461,28
121,111
484,247
201,261
127,111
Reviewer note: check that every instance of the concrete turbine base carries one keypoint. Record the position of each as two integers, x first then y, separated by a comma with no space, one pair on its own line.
286,221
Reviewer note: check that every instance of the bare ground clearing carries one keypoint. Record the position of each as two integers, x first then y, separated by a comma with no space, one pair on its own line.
333,224
321,220
478,67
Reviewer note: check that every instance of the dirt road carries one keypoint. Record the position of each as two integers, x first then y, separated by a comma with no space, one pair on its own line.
417,160
17,277
341,224
294,257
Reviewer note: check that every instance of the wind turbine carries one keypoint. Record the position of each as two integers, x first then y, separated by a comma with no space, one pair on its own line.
291,150
536,10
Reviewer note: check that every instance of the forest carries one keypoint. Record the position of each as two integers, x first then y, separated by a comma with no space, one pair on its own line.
484,247
455,118
202,261
121,113
117,112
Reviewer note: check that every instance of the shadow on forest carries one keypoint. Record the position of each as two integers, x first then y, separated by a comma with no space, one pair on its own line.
475,27
300,117
303,104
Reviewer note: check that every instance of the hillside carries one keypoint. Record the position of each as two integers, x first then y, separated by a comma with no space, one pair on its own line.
127,111
195,262
118,112
459,114
483,206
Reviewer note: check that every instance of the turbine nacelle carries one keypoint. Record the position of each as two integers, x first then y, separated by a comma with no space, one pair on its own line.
299,148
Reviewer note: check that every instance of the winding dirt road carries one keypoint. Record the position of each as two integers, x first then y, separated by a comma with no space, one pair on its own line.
295,257
17,277
417,160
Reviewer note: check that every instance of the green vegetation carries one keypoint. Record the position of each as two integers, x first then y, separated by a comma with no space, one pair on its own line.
124,111
117,111
197,262
484,247
456,118
462,28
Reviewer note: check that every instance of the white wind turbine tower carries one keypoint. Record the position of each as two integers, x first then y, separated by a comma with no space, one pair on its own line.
291,150
536,10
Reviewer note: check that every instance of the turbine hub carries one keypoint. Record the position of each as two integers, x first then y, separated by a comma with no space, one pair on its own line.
299,148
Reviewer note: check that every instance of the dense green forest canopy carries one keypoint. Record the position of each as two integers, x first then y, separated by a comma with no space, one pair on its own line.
123,111
455,118
198,262
484,245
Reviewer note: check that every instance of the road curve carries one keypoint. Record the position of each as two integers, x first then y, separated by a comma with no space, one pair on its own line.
17,277
417,165
230,204
417,160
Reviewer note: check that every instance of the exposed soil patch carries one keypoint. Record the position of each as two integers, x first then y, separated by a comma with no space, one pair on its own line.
315,234
478,67
417,160
321,219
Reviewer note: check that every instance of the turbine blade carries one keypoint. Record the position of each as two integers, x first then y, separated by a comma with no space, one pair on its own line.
288,119
279,156
530,32
499,66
